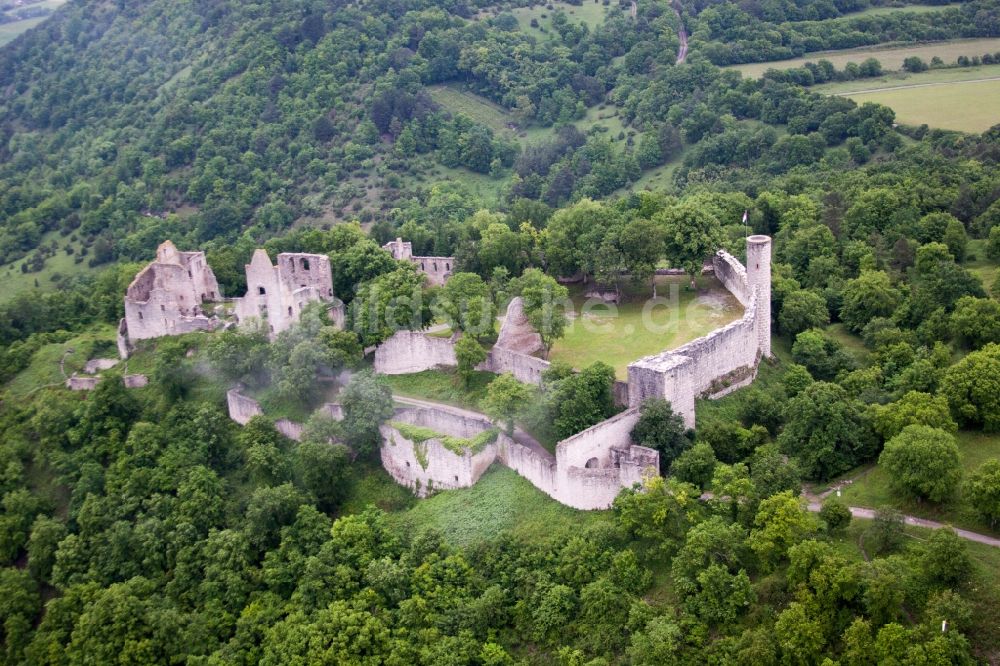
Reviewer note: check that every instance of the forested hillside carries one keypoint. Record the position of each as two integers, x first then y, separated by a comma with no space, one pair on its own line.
530,143
203,121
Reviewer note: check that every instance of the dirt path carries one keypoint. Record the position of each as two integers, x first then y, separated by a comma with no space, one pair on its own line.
869,514
520,436
916,85
682,35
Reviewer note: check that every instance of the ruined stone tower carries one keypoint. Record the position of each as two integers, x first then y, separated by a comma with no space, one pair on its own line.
759,275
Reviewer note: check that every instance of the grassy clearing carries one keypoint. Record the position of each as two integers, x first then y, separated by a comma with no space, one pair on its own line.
501,501
891,57
905,9
852,343
58,266
981,267
590,12
618,335
973,106
873,488
98,342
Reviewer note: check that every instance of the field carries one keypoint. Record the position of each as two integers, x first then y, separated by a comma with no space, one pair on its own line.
8,31
973,106
590,12
459,100
621,334
891,57
906,9
983,268
872,489
501,501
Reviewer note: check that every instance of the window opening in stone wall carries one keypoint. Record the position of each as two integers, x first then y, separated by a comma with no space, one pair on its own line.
592,463
140,315
289,310
305,264
261,291
435,264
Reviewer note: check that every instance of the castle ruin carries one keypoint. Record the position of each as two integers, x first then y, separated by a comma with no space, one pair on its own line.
166,297
278,293
437,269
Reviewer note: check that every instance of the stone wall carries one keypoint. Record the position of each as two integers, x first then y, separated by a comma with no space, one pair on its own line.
77,383
242,408
413,351
733,275
437,269
135,381
592,447
278,293
165,297
526,369
428,466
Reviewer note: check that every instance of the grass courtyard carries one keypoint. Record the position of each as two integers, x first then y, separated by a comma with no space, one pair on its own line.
620,334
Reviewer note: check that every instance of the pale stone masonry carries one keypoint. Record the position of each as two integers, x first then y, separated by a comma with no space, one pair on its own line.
278,293
437,269
166,297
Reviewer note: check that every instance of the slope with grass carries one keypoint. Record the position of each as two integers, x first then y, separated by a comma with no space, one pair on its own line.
501,501
872,487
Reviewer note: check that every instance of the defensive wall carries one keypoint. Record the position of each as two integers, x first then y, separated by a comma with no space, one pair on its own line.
590,468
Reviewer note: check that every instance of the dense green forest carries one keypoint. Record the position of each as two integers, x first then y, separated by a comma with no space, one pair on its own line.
143,526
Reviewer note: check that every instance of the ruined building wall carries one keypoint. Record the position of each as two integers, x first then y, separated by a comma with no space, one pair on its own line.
278,294
413,351
429,465
242,408
437,269
166,296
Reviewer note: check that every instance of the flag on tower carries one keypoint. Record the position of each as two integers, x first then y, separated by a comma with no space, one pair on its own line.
746,230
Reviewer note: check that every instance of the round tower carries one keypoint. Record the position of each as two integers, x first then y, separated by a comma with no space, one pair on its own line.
759,275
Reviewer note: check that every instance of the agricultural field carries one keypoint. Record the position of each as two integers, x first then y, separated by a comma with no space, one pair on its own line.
891,57
969,106
905,9
9,31
902,79
618,335
871,487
